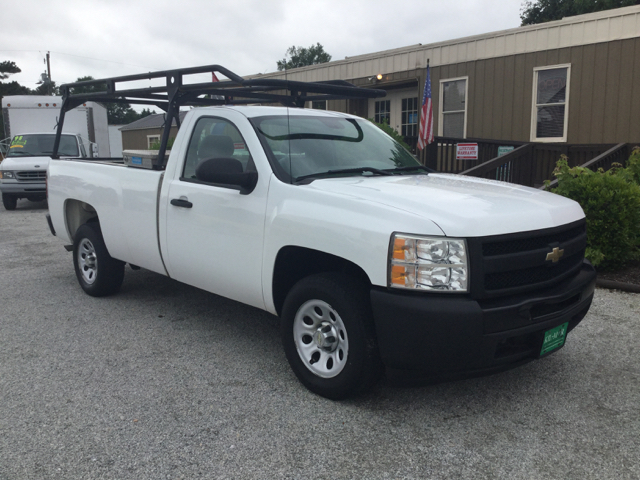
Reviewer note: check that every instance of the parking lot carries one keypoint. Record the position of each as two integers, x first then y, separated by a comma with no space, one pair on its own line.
165,381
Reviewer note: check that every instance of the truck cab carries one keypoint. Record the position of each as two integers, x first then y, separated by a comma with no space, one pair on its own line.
23,172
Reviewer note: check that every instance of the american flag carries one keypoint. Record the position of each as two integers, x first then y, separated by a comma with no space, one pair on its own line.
425,136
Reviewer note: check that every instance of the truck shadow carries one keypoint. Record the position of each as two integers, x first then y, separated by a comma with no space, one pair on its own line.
24,204
256,334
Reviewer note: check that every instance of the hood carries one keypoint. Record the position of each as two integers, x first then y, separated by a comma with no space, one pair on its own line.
25,163
461,206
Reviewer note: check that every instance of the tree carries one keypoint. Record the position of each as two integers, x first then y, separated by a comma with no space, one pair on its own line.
10,88
542,11
301,57
117,113
7,68
47,87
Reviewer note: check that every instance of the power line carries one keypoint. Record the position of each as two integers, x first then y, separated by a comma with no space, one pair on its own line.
80,56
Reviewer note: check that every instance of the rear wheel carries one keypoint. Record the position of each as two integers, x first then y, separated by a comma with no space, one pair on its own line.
9,201
328,335
98,273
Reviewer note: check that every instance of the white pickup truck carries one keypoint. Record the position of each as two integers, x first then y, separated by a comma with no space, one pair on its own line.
24,169
30,122
370,260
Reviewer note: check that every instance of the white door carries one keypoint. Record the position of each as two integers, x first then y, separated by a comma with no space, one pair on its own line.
214,234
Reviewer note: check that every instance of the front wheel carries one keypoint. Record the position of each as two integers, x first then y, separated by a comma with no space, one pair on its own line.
98,273
9,201
328,335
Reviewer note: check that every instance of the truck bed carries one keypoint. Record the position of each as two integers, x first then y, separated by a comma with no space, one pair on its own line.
126,200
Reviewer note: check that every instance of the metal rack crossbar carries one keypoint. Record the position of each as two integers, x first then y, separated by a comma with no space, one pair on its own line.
176,93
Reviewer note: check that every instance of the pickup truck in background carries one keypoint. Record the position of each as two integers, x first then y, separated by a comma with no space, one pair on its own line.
370,260
23,171
30,123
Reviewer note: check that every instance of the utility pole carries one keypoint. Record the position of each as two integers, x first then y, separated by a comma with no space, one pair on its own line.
49,73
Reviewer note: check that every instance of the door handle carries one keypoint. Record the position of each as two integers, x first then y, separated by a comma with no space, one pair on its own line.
180,202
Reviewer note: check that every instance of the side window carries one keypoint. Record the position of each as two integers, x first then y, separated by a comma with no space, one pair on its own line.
409,126
383,112
550,103
215,138
453,108
83,152
153,140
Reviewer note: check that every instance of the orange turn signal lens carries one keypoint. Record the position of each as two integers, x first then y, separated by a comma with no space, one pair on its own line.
398,275
399,247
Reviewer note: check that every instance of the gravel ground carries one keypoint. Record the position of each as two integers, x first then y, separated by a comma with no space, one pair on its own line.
165,381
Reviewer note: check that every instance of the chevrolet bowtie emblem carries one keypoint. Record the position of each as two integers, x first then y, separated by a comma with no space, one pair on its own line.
555,254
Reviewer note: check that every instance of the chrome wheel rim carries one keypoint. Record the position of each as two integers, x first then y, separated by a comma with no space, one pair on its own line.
321,338
87,261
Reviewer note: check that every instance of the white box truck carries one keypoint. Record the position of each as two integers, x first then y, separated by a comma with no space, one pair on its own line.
30,125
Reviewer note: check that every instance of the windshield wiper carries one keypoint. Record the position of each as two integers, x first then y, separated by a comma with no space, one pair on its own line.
410,168
330,173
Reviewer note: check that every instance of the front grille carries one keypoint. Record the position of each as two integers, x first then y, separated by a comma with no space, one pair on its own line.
31,175
530,276
514,263
532,243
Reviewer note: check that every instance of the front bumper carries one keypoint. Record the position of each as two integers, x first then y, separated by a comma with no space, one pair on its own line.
23,188
446,335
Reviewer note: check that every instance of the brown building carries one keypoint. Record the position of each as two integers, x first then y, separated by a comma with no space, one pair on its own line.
575,80
144,133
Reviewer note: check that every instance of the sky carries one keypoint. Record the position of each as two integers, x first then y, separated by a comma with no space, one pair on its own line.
107,38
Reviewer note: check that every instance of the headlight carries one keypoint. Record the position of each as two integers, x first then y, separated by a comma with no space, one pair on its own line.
428,263
6,174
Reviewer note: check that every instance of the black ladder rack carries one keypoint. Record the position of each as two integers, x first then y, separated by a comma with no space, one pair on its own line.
175,94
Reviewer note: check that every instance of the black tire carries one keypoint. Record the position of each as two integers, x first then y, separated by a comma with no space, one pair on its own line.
98,273
9,201
328,335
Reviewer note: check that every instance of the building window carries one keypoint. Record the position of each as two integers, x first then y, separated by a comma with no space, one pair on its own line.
151,140
453,107
319,105
550,112
383,109
409,127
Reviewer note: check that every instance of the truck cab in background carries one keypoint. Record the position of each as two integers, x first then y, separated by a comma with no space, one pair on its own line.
23,172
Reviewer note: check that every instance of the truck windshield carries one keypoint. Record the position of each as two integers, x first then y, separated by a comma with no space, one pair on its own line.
38,145
307,147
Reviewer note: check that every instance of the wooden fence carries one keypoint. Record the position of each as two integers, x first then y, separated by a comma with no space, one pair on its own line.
527,164
616,154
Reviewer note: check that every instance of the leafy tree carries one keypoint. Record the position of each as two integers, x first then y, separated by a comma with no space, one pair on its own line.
117,113
9,88
13,88
48,87
392,132
611,203
542,11
301,57
145,112
7,68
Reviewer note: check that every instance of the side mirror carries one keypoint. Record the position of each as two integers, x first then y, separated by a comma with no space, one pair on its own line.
226,171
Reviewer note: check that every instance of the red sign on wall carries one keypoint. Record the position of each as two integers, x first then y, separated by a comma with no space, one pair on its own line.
467,151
